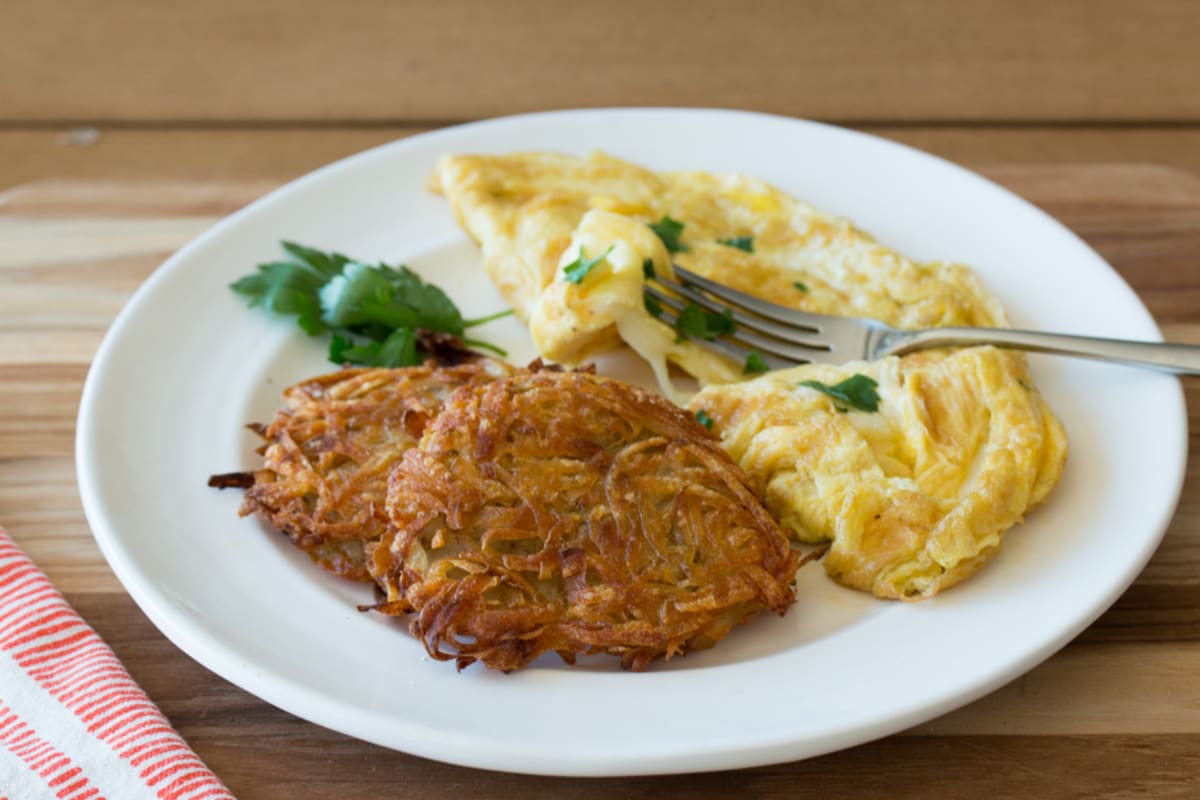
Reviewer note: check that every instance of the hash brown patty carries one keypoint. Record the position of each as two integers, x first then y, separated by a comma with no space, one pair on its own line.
570,513
328,453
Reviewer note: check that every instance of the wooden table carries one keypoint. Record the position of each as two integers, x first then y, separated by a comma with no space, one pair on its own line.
1117,712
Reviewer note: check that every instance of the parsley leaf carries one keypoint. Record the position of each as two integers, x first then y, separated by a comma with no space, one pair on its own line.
578,269
325,265
857,391
291,287
745,243
704,419
377,300
755,364
669,230
397,350
648,268
696,323
652,305
801,285
284,287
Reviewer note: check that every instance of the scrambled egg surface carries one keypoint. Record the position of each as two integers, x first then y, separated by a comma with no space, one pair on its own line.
915,496
536,213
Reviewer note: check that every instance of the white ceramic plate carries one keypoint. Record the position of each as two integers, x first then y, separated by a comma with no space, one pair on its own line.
186,365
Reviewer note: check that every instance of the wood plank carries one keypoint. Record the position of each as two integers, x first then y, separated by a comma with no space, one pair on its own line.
205,198
274,152
256,762
464,59
40,403
241,152
981,144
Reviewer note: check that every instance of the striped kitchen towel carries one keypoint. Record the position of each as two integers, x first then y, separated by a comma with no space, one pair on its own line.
73,724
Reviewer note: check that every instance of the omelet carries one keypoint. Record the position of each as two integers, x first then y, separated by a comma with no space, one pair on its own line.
914,496
538,215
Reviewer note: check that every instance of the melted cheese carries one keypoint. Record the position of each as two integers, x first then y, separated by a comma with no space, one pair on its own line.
570,321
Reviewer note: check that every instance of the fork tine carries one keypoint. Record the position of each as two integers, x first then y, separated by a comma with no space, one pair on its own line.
790,316
832,339
788,333
795,352
732,349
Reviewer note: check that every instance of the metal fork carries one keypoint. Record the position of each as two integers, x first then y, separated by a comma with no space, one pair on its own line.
784,337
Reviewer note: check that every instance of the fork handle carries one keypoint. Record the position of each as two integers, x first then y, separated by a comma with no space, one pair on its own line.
1179,358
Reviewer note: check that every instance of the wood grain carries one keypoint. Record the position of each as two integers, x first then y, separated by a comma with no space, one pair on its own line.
900,767
855,60
1115,714
242,151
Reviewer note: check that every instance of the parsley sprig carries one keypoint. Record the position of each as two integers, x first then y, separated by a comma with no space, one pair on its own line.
857,391
372,311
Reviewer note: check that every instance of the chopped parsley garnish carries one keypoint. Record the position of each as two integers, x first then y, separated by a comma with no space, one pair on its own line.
696,323
857,391
740,242
801,285
755,364
669,230
578,269
653,307
704,419
648,268
373,311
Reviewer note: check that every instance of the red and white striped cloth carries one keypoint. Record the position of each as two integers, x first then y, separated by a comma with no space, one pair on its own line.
73,724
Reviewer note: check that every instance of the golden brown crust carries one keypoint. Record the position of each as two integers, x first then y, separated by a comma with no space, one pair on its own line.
327,455
565,512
